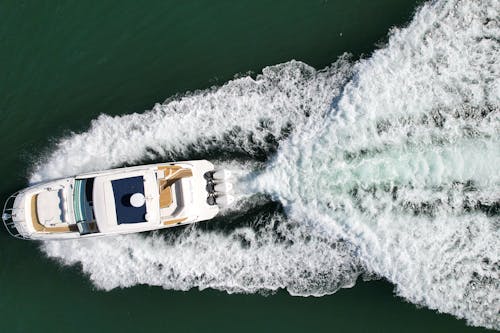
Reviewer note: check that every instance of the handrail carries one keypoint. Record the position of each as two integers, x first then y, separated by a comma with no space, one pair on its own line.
7,220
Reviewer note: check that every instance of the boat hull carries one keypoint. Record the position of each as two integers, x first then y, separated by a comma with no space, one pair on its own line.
51,210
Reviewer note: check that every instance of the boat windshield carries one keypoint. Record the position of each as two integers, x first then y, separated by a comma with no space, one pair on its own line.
82,200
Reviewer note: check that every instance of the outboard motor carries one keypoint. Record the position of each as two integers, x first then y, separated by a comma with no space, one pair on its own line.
219,188
222,174
223,187
224,200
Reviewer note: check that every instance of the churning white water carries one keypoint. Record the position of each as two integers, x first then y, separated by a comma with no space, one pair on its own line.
386,167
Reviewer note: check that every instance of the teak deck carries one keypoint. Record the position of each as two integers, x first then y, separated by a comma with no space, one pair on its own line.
172,174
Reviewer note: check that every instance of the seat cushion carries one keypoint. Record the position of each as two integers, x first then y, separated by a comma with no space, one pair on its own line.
49,207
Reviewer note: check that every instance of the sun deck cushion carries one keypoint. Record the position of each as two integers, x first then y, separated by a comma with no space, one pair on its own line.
50,207
122,191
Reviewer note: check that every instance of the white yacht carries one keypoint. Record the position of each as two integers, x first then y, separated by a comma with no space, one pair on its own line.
118,201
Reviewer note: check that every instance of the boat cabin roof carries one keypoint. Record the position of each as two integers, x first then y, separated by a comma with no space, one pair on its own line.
112,201
123,190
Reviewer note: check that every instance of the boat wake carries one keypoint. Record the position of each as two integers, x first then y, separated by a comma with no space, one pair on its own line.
385,167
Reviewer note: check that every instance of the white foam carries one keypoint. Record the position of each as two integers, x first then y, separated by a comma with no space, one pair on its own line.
408,158
280,255
393,178
239,116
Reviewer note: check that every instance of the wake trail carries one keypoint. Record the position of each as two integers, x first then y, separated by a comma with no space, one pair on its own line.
406,167
385,167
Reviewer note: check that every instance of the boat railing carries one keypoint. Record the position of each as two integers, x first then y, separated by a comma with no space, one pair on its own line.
8,222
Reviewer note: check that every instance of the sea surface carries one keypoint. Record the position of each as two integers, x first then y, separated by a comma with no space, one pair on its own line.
364,137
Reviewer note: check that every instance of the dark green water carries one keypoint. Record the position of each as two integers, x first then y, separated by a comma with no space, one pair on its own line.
65,63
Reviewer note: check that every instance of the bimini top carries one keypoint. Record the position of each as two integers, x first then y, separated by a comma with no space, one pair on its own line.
114,210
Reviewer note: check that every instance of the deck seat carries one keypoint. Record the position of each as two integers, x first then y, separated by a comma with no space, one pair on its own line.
166,197
42,228
172,174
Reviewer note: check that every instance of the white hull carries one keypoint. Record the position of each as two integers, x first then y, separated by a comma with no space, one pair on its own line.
117,201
